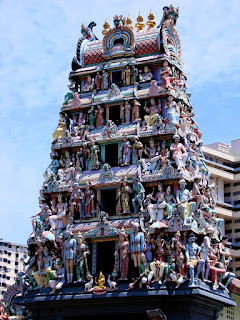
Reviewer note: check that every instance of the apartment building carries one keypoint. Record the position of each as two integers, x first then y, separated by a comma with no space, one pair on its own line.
10,263
223,161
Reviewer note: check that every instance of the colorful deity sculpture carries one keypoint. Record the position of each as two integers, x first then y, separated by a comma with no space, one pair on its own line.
81,258
179,152
89,202
70,245
153,110
127,109
139,193
136,244
63,125
156,210
123,252
146,76
126,150
184,201
192,251
124,196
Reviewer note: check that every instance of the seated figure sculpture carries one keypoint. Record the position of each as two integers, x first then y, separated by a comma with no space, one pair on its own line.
153,111
156,210
180,154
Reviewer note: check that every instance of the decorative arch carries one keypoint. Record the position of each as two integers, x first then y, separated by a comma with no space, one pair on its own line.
118,41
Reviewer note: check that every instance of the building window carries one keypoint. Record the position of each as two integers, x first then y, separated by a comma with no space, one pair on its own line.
227,194
4,260
228,221
9,246
9,254
236,193
111,154
9,261
228,231
237,269
237,259
8,278
17,255
236,221
237,230
236,184
16,271
227,185
16,263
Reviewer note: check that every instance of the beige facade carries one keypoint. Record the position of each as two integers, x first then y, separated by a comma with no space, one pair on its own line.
10,263
224,165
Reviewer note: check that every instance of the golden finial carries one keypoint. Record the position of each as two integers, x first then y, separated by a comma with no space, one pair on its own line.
106,27
139,25
129,22
151,23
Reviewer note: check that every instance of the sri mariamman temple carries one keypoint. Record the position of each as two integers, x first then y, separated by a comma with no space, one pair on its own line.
126,227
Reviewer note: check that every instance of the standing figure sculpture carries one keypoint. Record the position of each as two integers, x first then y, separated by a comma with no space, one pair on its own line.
127,73
98,79
180,154
78,203
136,245
94,151
126,150
137,148
187,206
99,116
192,255
105,78
81,258
123,252
70,245
172,111
139,193
127,109
124,196
89,202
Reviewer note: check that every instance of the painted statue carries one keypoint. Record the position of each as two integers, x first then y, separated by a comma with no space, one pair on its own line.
153,111
139,194
123,253
126,150
81,257
70,245
136,244
184,198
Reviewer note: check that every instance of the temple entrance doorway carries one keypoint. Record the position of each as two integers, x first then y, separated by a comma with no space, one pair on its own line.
105,257
114,114
111,154
108,201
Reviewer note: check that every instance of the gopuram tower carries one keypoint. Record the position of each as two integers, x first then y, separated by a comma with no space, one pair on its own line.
127,226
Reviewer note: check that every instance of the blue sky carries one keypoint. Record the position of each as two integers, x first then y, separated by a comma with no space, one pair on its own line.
38,41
